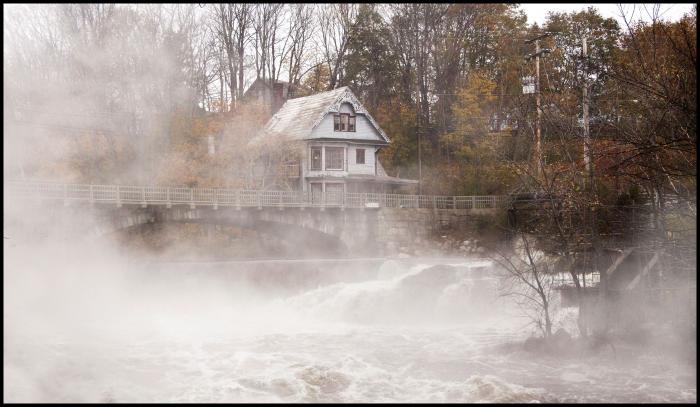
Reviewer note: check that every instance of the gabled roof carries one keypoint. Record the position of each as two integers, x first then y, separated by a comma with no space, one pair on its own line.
298,117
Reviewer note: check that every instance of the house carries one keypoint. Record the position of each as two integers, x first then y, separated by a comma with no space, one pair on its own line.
337,141
263,93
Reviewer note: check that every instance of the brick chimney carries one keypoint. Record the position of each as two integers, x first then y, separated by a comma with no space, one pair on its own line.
277,96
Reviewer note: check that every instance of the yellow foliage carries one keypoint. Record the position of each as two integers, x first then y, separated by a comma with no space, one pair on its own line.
474,164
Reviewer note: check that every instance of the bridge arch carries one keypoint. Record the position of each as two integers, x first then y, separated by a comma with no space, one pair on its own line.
284,226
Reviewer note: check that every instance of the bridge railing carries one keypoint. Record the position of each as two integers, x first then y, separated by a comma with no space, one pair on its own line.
159,195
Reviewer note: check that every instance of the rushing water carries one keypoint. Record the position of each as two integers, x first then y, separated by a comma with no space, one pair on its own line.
391,331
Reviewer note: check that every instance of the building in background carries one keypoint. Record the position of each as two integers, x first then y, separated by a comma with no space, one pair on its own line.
337,144
274,95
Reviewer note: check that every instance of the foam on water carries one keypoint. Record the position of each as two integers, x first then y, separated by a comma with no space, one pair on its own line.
410,334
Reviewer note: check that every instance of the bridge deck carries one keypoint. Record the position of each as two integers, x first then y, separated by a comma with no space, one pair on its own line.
160,195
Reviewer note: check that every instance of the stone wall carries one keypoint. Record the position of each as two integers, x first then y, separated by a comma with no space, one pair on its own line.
413,231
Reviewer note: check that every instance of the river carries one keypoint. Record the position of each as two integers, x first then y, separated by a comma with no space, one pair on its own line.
375,331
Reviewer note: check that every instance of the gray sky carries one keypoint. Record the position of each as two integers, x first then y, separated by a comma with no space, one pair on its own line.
537,12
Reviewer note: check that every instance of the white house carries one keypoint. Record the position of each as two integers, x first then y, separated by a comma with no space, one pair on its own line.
340,143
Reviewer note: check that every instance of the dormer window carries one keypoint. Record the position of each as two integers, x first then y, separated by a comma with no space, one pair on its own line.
344,122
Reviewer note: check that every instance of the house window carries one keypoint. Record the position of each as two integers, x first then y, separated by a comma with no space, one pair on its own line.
334,158
343,122
360,156
316,158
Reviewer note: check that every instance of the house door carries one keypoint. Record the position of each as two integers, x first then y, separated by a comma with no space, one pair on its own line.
316,192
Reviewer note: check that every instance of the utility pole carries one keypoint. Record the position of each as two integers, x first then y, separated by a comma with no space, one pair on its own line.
419,131
592,193
586,128
420,167
538,124
538,99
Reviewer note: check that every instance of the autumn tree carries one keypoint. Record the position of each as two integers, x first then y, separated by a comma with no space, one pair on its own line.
317,79
475,162
370,64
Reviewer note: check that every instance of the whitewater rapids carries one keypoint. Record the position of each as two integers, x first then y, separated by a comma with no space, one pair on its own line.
400,332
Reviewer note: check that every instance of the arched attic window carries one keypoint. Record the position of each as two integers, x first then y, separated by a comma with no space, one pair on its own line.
344,120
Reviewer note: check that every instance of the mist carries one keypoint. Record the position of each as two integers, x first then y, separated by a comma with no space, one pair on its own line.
93,322
156,250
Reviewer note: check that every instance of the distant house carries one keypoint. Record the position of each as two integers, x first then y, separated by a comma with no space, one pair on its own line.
339,143
267,98
262,93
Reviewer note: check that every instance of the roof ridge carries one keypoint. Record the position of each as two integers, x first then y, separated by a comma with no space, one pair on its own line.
298,117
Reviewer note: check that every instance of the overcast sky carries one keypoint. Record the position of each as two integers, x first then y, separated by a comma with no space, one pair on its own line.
537,12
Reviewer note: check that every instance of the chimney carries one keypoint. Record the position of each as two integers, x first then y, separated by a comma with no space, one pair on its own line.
277,96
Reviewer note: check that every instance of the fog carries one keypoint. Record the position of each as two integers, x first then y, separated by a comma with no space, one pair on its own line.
160,313
91,322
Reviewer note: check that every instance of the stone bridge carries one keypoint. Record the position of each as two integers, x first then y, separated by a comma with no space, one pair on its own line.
369,223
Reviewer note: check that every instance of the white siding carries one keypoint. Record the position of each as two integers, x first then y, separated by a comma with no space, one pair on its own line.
364,129
346,108
367,167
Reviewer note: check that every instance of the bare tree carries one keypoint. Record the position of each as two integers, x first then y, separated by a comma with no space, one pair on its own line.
243,15
301,30
205,59
268,55
335,21
232,26
528,280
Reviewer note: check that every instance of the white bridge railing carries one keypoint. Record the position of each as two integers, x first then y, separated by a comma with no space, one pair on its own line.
157,195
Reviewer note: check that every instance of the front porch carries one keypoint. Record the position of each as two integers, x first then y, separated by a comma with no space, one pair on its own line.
360,184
